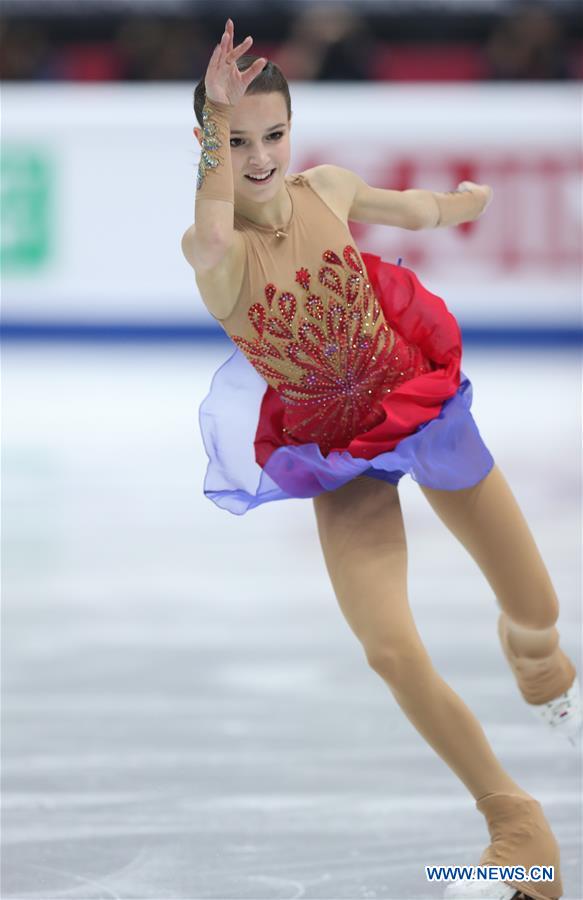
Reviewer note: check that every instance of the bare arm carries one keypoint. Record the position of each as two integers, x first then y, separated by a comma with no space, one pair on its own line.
412,209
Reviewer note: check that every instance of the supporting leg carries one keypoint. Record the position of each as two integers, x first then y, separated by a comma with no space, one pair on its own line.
362,535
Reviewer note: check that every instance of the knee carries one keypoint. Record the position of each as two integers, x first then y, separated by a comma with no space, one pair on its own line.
399,664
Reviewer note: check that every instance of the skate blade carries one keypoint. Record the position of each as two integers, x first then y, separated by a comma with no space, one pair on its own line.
481,890
570,722
465,889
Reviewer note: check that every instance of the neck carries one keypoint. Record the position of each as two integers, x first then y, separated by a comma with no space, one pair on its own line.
274,213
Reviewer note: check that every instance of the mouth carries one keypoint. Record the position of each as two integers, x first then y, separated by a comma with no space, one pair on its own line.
267,177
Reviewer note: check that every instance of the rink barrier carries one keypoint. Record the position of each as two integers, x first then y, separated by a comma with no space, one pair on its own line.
186,332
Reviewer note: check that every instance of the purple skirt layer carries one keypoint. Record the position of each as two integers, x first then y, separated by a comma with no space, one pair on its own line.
447,452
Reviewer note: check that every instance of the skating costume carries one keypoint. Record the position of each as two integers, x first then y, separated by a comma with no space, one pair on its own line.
345,365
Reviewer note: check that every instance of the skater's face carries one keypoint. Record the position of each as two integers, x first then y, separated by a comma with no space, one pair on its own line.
260,145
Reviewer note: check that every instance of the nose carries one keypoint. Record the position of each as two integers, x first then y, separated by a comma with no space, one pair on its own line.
258,157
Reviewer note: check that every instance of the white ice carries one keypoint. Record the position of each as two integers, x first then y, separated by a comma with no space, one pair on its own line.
186,712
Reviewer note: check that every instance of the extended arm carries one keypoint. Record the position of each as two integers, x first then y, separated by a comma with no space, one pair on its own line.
413,208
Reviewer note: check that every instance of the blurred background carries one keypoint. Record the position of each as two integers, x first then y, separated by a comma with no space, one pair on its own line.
185,712
369,40
97,109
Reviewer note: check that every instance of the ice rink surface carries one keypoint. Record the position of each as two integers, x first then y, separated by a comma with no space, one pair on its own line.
186,713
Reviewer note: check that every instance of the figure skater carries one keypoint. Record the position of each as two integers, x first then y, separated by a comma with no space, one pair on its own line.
346,376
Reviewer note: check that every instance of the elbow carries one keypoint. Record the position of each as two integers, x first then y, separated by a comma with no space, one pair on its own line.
419,223
214,233
423,210
204,251
431,214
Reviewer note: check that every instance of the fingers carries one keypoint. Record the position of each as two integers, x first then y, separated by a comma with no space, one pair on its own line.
214,56
224,45
242,48
233,52
224,56
217,56
249,74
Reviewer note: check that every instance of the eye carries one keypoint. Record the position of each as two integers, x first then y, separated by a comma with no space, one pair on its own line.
274,136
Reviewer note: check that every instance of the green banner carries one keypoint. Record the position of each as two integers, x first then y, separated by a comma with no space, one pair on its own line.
27,178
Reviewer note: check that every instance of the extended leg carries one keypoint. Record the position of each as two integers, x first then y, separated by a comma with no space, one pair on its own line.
487,520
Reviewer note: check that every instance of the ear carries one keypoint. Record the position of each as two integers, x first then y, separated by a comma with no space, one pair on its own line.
197,132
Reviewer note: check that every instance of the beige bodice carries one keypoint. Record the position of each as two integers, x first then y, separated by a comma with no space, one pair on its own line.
309,322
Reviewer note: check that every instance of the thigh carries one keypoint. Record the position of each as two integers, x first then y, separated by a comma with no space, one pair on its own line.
488,521
362,535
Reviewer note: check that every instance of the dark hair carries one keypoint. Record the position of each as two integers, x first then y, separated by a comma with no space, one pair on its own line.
270,79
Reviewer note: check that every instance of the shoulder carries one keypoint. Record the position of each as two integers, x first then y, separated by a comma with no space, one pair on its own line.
336,186
330,177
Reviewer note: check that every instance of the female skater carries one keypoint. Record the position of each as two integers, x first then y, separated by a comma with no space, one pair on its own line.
346,376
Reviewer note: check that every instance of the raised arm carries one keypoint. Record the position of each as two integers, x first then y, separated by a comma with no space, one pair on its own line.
206,242
412,209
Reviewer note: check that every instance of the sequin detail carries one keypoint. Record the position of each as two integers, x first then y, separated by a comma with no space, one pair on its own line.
330,354
209,144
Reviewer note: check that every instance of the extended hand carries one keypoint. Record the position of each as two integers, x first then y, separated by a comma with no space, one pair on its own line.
223,80
484,189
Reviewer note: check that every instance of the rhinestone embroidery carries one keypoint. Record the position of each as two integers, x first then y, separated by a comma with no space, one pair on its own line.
303,278
331,353
209,143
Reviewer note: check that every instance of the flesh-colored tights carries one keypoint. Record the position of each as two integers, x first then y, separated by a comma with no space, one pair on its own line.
362,534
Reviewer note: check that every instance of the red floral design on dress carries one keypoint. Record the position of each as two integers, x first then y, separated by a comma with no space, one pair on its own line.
330,356
303,278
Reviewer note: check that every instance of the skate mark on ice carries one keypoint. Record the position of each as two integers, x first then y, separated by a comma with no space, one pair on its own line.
288,883
76,877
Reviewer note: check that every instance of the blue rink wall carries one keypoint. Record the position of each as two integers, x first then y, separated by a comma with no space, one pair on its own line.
136,333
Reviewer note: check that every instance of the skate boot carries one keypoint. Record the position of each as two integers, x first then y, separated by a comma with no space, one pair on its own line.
519,836
549,685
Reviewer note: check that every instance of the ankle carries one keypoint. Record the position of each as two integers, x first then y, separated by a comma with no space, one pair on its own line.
510,792
504,785
531,643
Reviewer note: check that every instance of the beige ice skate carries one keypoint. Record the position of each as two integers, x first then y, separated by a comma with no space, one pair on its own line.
549,685
519,836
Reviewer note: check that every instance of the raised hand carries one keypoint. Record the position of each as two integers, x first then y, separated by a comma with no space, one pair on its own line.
223,80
